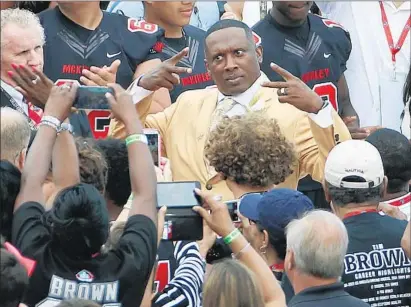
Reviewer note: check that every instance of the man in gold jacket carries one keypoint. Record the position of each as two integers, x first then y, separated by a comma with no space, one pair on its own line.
232,59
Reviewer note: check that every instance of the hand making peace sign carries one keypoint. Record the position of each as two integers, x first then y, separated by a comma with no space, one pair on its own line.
166,74
294,91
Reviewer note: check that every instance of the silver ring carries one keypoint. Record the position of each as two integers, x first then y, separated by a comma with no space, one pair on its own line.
217,198
37,79
283,91
65,86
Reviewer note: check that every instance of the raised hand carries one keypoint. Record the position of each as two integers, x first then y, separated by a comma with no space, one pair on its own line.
294,91
166,74
219,219
98,76
122,107
60,101
32,83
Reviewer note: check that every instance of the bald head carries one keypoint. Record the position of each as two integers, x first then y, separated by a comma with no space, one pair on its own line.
15,135
319,243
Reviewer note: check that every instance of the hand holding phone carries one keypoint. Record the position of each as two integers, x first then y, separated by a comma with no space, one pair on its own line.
92,98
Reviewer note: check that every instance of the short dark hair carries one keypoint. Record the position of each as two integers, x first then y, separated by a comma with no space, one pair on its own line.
13,280
78,221
10,177
395,151
118,187
344,196
231,23
78,303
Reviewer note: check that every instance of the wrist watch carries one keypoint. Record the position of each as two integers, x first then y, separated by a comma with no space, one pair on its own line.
66,127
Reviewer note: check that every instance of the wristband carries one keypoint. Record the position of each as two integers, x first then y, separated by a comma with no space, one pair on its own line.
239,254
136,138
232,236
50,124
51,119
66,127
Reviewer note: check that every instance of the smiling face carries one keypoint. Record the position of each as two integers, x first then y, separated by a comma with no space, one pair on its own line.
21,46
294,11
232,63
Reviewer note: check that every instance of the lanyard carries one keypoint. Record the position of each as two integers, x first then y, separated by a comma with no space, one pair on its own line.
355,213
394,49
32,123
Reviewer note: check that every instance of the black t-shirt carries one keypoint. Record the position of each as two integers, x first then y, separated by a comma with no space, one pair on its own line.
168,47
316,52
325,296
115,279
70,48
166,265
376,267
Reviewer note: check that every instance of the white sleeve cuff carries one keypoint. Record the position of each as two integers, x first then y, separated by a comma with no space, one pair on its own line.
137,92
323,118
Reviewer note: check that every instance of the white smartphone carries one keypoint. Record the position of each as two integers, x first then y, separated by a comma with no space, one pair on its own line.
154,144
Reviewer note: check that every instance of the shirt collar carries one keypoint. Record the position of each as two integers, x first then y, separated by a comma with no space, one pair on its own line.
405,6
15,94
399,201
245,98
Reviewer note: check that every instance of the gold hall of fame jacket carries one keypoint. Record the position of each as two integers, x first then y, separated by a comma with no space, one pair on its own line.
184,128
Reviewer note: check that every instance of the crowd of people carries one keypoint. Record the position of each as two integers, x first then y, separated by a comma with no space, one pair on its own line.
296,112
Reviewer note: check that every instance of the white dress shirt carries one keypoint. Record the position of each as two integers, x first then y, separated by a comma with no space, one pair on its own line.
323,118
16,95
376,101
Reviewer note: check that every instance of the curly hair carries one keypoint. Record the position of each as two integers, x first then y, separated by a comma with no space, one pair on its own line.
93,165
251,150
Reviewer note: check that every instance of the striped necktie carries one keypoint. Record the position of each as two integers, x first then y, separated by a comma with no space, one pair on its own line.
221,110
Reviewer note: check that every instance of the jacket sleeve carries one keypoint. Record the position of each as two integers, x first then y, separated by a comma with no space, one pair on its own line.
313,143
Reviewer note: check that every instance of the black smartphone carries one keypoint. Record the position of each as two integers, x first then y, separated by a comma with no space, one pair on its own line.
92,98
181,222
232,206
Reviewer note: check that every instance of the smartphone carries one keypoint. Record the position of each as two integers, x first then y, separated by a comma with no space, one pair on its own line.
92,98
181,222
154,144
232,206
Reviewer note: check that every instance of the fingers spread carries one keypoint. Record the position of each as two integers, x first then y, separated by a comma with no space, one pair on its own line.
275,84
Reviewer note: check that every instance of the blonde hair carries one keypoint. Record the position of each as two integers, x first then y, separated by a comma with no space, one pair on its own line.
22,18
230,283
15,133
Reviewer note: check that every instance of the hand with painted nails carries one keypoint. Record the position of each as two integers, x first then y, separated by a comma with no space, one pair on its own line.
32,84
100,76
294,91
166,74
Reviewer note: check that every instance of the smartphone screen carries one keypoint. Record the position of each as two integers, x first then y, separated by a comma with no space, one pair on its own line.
232,206
92,98
177,194
153,138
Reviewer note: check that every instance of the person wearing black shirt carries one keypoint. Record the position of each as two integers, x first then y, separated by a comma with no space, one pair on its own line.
65,242
174,18
315,261
376,267
315,50
81,39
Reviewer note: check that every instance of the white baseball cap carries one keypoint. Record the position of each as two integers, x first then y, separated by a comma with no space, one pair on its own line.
354,158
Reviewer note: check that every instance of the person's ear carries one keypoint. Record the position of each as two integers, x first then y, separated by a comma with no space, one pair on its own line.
266,238
259,52
21,159
206,66
289,261
326,192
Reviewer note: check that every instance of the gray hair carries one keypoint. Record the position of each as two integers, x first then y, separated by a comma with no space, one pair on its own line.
22,18
15,133
319,241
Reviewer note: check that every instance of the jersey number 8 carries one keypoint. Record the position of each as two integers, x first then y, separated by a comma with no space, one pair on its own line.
135,25
327,91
